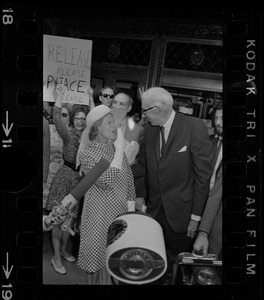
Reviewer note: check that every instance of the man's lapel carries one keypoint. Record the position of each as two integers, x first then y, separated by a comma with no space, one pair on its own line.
173,131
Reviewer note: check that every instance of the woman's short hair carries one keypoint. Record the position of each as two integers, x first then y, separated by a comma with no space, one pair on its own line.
76,108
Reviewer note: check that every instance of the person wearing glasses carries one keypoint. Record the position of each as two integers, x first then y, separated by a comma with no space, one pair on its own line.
67,176
65,114
175,158
106,96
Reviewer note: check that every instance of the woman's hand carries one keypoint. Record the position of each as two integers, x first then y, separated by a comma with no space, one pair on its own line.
119,150
89,93
59,92
140,204
120,141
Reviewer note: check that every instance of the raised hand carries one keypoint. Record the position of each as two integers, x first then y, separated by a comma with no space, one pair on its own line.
60,90
120,140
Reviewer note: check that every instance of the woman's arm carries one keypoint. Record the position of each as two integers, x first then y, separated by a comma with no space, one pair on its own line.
89,94
46,150
58,94
61,127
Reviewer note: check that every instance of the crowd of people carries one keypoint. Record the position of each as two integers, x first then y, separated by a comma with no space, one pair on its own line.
162,162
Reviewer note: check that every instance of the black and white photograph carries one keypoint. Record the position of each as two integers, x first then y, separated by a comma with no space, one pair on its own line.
144,93
132,152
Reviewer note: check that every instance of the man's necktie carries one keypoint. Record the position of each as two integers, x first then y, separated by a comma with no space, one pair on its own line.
162,141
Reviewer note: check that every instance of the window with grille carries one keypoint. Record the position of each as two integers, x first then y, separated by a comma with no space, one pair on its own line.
121,51
194,57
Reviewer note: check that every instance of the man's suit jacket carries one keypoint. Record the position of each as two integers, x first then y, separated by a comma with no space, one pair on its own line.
180,179
212,216
214,203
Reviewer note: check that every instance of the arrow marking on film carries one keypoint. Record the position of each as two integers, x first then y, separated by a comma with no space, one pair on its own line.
7,271
6,127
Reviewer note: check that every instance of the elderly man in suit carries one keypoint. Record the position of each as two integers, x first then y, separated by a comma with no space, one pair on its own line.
175,159
209,238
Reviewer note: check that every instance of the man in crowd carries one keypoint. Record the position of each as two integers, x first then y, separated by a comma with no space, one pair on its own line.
175,159
209,237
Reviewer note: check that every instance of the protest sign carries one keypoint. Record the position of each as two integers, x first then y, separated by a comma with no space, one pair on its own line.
67,62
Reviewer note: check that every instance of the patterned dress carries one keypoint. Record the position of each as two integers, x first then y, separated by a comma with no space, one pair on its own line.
103,202
65,179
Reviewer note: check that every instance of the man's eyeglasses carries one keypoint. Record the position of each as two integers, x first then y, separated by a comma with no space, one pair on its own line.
107,95
144,111
79,119
64,115
123,104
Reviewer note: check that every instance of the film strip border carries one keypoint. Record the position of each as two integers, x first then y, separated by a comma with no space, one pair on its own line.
22,155
242,156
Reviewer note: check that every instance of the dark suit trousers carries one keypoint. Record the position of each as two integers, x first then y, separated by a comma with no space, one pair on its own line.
175,244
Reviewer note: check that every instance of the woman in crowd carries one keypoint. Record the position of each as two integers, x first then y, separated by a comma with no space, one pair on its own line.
65,114
67,177
108,197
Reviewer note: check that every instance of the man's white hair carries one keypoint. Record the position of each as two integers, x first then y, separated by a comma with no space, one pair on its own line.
157,95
